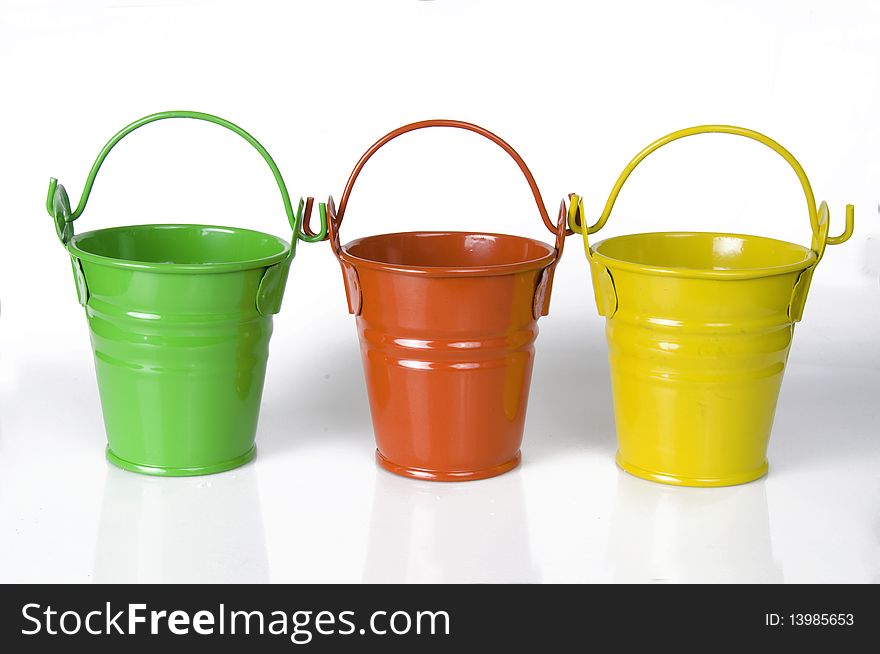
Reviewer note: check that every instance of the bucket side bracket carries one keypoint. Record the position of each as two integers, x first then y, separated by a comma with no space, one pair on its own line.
352,288
271,289
79,277
541,304
604,289
58,205
603,282
544,288
270,293
349,273
799,294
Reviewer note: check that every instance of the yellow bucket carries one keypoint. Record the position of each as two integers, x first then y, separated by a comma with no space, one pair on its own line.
699,326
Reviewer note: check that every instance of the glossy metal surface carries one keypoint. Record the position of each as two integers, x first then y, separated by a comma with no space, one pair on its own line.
699,327
447,323
448,355
180,319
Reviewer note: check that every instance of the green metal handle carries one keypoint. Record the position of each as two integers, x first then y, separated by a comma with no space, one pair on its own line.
58,204
818,218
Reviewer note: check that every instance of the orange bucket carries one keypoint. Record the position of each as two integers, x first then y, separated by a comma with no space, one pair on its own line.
447,324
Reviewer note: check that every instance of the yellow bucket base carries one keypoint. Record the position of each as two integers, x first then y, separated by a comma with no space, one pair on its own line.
700,482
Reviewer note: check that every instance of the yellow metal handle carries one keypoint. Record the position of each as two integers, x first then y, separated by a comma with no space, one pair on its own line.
818,218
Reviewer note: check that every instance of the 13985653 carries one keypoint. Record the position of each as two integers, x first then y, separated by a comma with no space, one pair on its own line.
821,619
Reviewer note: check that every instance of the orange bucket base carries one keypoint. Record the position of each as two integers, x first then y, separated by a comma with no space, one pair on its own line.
441,475
678,480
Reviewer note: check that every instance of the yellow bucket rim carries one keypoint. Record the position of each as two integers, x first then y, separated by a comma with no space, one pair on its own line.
615,263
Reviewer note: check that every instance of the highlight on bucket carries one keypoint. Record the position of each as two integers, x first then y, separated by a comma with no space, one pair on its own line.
699,326
180,319
447,323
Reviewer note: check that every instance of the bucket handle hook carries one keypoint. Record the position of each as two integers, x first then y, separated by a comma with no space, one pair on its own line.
59,207
818,217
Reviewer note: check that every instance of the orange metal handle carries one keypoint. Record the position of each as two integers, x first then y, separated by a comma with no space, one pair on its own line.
337,215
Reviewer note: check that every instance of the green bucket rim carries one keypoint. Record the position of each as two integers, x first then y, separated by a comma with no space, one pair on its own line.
612,263
180,268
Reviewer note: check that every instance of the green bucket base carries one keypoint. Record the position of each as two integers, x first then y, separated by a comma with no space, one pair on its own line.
162,471
454,475
700,482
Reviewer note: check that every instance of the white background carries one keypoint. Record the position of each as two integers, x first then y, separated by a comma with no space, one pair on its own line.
578,88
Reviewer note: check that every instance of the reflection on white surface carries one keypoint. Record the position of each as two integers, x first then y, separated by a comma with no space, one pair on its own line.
665,533
436,532
189,529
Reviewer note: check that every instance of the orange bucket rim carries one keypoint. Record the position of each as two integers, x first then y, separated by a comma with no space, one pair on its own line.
450,271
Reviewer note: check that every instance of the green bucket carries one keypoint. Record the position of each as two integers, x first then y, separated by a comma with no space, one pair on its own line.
180,319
